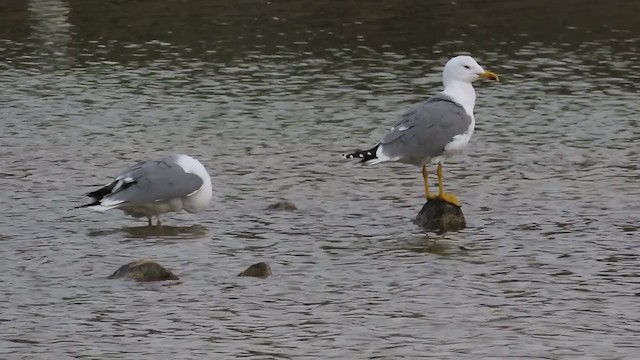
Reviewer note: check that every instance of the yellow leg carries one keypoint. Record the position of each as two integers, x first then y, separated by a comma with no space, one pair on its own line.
425,176
450,198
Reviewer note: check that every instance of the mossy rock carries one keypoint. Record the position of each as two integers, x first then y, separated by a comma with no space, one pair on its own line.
440,217
143,270
282,206
261,270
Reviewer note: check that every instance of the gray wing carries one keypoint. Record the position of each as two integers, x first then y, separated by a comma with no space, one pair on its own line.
425,130
154,180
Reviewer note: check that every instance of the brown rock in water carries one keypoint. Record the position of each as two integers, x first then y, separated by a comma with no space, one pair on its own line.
282,206
440,216
261,269
143,270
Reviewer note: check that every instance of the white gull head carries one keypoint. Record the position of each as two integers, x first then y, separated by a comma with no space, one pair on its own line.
201,198
457,76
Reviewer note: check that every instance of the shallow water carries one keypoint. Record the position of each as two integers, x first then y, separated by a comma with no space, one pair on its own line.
267,96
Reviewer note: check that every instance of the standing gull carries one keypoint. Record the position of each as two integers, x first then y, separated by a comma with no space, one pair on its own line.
155,187
435,129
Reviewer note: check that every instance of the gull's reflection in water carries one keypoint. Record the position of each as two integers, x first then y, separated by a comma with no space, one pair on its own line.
162,231
436,245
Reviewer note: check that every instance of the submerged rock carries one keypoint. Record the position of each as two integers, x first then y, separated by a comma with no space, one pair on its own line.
440,216
143,270
261,269
283,205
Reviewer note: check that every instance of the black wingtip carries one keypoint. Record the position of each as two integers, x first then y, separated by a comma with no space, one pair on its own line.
97,202
364,155
104,191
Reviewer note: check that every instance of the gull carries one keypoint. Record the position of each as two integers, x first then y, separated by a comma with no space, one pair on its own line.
155,187
434,130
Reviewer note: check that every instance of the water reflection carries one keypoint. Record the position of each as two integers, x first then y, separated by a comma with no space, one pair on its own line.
164,232
50,30
435,245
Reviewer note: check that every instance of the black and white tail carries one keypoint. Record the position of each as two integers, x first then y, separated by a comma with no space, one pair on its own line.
100,198
368,157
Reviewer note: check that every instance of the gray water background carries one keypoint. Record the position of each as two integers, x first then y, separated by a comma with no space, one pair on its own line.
267,95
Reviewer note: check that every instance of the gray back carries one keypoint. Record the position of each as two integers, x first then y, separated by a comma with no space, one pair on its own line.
157,180
424,130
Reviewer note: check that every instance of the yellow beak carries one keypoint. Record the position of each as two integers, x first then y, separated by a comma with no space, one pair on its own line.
488,75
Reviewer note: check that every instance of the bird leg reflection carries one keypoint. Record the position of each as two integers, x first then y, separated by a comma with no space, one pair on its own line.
150,221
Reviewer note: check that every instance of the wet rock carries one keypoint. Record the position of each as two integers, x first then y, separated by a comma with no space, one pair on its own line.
282,206
261,269
440,216
143,270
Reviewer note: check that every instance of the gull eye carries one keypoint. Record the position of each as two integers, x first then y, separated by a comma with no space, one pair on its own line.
467,67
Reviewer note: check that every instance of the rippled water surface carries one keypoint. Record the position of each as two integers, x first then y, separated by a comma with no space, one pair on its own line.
267,95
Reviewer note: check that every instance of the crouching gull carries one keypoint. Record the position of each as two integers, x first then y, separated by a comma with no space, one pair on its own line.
155,187
435,129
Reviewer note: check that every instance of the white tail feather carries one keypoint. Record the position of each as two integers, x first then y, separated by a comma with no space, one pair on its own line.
106,204
372,161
